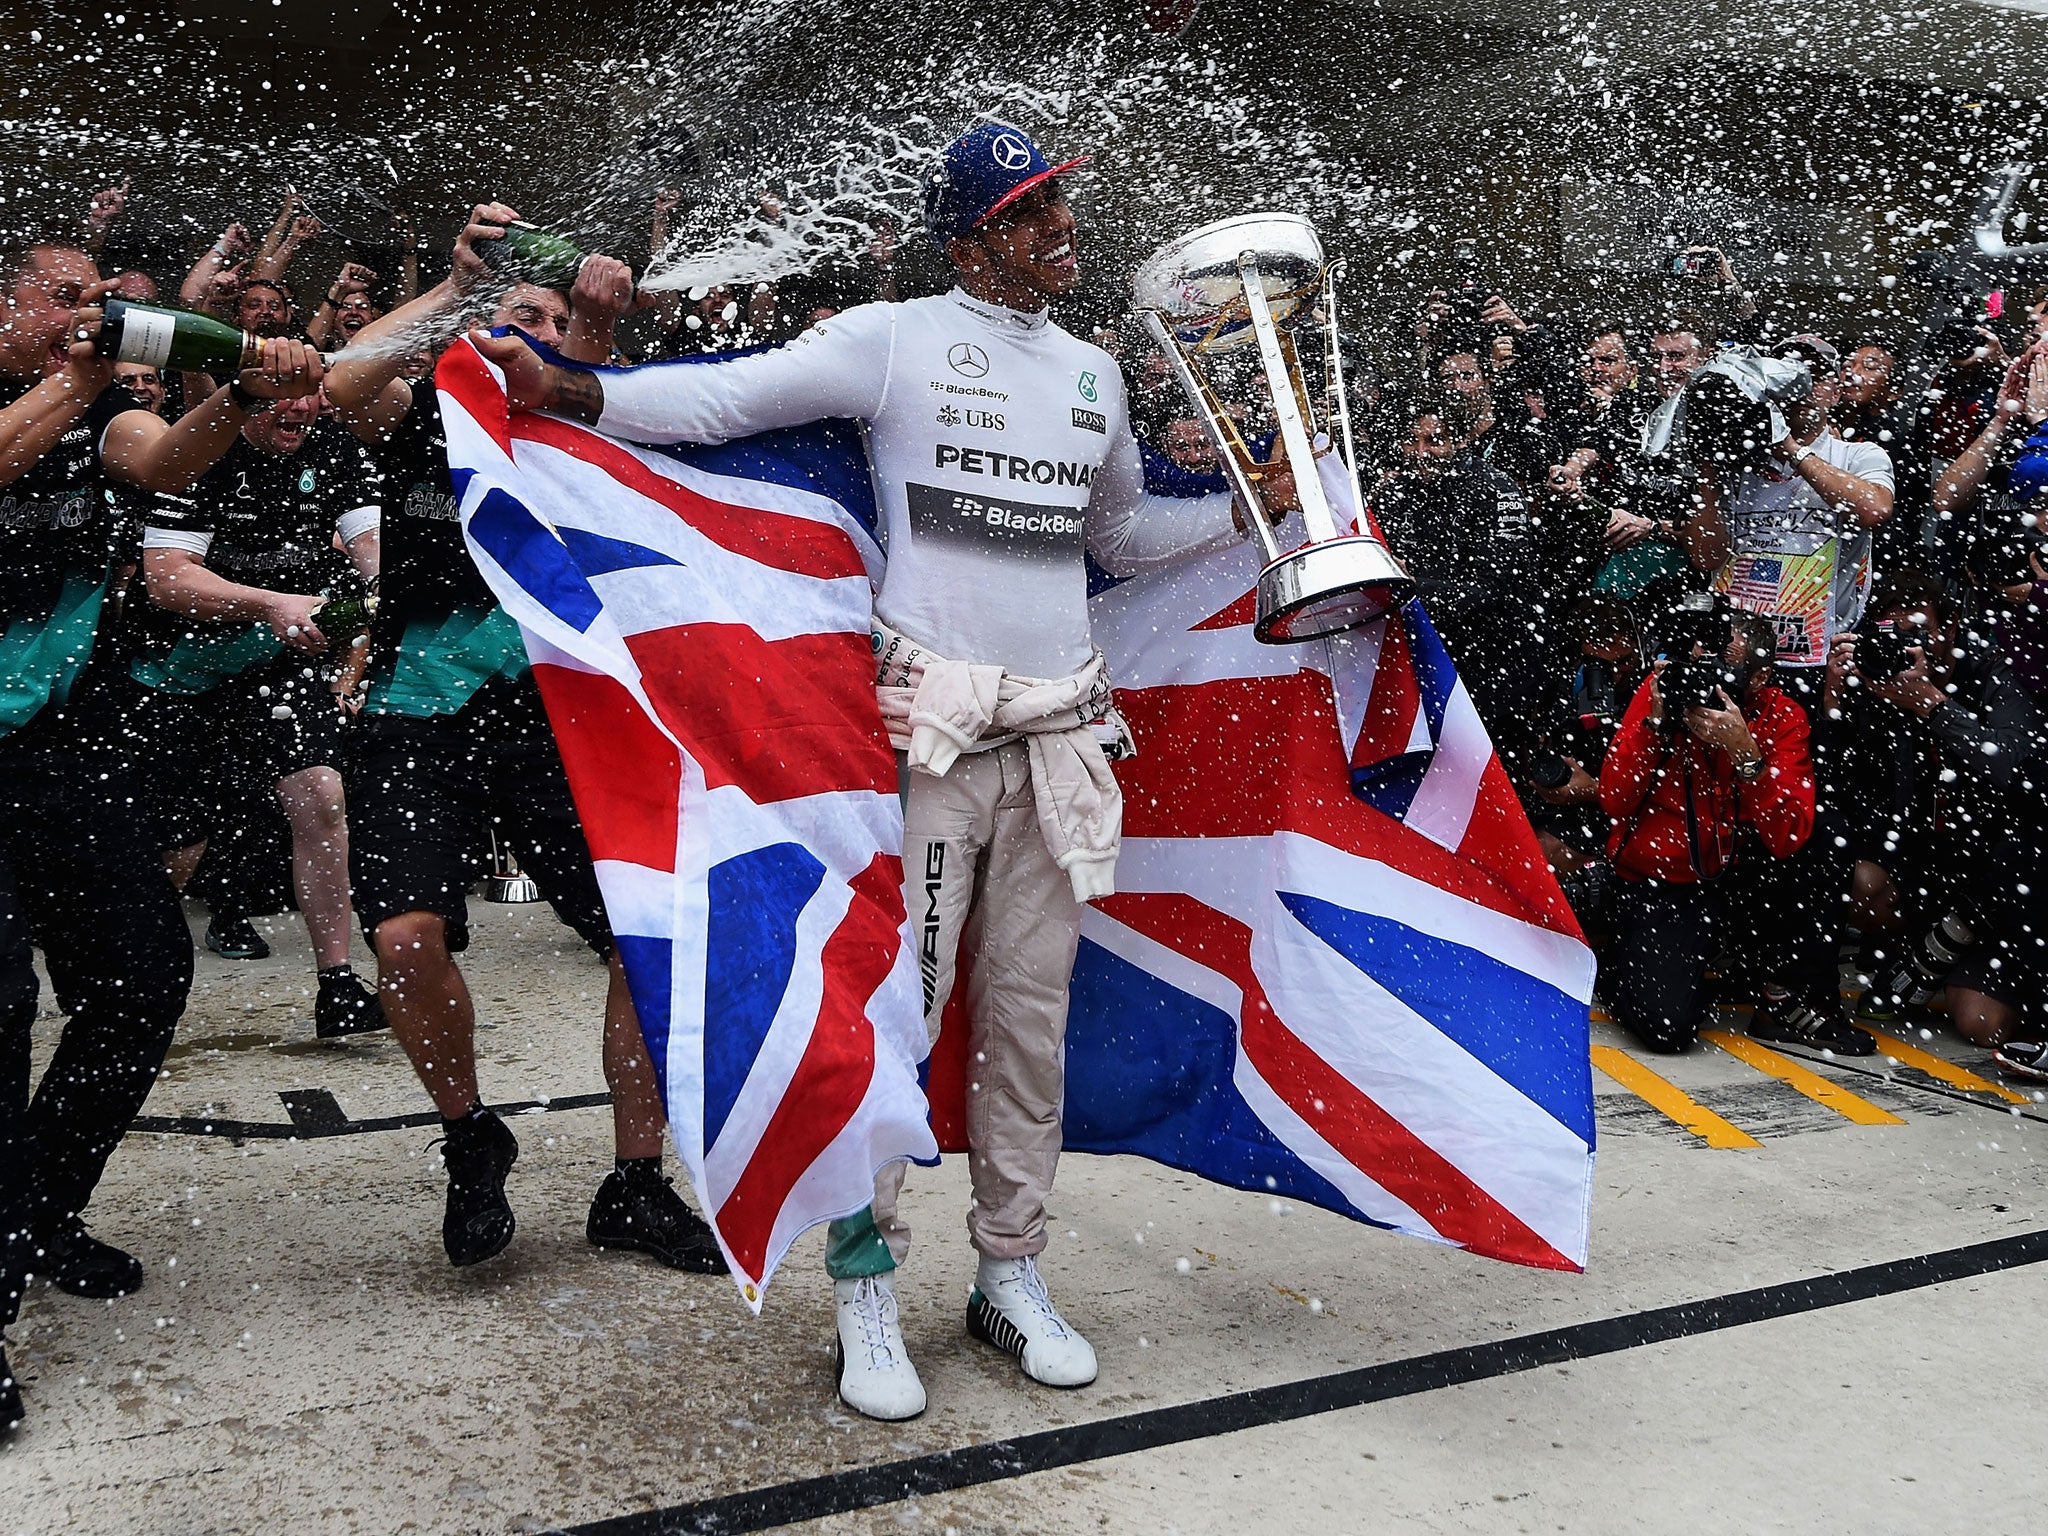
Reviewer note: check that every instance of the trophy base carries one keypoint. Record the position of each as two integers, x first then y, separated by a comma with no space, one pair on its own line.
511,890
1324,589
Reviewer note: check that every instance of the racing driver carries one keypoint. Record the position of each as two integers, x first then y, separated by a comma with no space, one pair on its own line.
1001,451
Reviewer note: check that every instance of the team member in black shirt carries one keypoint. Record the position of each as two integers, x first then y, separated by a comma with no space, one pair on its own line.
454,736
238,679
78,872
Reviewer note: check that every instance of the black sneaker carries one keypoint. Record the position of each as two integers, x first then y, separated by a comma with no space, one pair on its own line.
74,1260
1781,1016
478,1152
11,1410
2024,1058
235,938
344,1006
644,1212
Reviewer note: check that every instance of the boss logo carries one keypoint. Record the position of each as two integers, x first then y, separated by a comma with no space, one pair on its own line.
1090,421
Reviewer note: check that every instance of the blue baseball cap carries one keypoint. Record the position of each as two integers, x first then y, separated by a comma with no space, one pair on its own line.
980,174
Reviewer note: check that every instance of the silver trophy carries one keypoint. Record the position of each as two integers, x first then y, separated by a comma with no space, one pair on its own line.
1245,282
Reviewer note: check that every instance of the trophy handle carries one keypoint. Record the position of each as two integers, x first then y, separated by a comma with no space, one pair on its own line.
1231,451
1315,506
1340,401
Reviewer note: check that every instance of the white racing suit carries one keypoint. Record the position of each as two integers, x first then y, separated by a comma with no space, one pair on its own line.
1001,451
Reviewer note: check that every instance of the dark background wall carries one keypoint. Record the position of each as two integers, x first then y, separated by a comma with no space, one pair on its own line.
1826,145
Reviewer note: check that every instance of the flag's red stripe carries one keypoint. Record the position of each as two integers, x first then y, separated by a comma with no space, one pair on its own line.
463,374
780,718
624,773
1334,1107
1395,701
775,539
832,1079
1243,611
1248,757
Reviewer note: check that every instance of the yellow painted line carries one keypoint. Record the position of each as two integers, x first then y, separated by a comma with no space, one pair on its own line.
1668,1097
1909,1054
1817,1088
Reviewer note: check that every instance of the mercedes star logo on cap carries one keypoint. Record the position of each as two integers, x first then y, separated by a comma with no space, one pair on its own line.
1010,152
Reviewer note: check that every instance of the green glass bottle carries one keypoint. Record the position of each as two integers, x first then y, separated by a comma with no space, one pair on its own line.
175,339
530,254
341,618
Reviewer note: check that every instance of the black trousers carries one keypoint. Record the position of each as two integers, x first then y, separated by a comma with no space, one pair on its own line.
1655,977
1764,920
79,877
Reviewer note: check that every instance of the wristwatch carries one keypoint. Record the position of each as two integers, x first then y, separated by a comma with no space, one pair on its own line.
1749,772
248,403
1801,452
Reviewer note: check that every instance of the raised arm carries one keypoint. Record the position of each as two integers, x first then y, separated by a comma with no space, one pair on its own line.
141,448
1866,498
367,384
31,426
1130,529
836,370
1956,492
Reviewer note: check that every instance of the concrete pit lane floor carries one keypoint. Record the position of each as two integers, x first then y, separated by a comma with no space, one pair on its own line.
1826,1322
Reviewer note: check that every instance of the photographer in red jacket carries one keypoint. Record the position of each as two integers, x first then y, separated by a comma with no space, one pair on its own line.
1709,768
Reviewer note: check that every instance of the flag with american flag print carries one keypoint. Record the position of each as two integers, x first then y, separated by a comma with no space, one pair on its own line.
698,624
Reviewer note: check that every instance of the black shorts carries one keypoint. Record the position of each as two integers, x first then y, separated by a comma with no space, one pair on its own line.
200,752
422,793
2010,968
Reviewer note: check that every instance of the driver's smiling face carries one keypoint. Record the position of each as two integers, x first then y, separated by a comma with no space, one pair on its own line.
1031,242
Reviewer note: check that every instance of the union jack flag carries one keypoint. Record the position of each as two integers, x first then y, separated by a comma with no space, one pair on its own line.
698,624
1337,967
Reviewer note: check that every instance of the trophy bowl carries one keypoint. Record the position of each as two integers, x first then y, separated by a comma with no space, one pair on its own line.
1194,283
1327,588
1237,283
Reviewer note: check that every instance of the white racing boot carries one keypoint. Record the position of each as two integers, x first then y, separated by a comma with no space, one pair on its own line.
876,1377
1009,1308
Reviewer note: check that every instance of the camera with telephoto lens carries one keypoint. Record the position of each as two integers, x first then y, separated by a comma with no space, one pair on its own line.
1549,770
1698,619
1462,326
1881,647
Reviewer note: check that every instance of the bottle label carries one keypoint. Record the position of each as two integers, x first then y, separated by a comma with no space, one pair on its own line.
146,337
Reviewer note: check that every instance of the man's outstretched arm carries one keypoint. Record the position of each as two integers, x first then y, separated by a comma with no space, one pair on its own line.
839,369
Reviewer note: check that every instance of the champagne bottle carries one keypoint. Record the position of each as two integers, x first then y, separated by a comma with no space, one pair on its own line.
175,339
530,254
344,616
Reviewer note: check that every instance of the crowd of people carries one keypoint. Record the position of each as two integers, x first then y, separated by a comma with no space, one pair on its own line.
1757,624
1759,627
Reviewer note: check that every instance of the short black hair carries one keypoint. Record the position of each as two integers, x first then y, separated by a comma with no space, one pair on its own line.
1687,322
1758,634
1608,325
277,285
1912,590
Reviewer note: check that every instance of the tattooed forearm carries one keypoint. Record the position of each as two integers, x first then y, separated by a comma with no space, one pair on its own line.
575,394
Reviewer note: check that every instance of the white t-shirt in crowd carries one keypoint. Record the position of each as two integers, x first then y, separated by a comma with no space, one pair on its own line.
1777,512
1001,449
